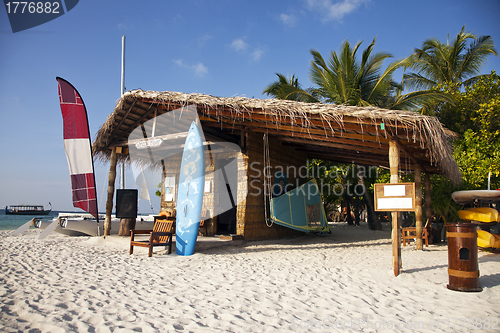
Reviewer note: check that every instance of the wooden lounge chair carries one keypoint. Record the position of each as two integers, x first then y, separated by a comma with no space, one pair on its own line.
411,233
161,235
163,217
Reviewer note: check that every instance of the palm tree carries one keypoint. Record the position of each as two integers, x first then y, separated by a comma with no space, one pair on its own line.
342,80
456,64
290,89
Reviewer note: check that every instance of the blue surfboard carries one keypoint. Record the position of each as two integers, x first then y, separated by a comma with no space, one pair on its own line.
190,194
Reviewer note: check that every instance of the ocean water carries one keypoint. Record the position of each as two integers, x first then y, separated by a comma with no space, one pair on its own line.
12,222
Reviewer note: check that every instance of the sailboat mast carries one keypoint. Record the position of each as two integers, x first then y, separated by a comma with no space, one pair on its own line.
122,92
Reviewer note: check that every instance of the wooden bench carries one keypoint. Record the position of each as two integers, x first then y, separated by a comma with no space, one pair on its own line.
161,235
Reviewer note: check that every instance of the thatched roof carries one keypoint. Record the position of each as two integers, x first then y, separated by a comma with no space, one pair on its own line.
339,133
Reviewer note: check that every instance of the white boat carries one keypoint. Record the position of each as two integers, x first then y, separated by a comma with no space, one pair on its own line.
82,225
470,196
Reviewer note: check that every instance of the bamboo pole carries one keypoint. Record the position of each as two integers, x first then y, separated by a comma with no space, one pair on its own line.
111,191
418,206
395,234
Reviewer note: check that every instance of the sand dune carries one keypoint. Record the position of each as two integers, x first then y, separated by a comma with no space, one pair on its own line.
343,282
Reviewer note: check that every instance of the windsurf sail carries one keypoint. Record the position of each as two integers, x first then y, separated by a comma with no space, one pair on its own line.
78,148
301,209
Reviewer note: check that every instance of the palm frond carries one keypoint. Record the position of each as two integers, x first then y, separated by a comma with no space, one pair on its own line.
418,99
476,55
288,89
416,81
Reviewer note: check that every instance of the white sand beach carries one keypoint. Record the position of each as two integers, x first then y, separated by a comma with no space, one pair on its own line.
343,282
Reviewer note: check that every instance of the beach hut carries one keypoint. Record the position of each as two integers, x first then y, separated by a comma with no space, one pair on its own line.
279,133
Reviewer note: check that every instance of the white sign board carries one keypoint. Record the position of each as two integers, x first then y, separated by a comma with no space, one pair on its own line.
395,197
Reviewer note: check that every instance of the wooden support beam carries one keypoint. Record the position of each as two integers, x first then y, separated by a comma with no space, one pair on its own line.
111,191
319,140
418,206
243,140
428,200
123,118
134,125
321,131
329,142
395,235
229,117
293,129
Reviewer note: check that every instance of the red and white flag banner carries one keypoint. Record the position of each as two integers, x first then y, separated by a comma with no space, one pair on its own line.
78,148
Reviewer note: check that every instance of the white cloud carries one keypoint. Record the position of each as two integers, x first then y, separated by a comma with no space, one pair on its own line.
257,53
199,69
288,20
179,62
242,47
239,45
334,10
203,40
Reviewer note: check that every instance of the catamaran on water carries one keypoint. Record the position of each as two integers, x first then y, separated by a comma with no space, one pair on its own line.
27,210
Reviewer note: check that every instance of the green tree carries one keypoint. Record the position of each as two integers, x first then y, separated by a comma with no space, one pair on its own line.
454,68
476,108
476,117
345,80
477,157
455,64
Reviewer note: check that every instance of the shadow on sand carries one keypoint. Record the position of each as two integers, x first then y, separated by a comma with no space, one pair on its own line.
342,236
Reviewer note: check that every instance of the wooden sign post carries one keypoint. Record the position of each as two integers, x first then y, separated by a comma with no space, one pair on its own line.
395,198
395,236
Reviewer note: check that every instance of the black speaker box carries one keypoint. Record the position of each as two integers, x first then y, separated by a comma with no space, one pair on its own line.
126,204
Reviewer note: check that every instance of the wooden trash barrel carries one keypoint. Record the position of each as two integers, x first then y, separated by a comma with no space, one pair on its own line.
463,271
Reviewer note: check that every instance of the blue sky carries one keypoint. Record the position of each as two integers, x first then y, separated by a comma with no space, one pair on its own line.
221,48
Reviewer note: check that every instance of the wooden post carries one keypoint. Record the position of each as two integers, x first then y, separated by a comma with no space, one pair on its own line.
395,235
418,206
428,201
111,191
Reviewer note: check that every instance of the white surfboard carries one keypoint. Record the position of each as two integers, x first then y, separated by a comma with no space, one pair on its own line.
190,195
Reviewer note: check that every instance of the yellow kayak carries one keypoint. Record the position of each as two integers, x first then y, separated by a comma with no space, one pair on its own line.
481,214
487,240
